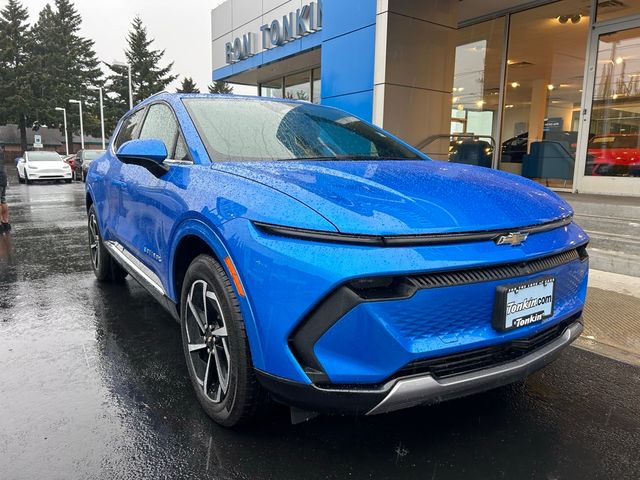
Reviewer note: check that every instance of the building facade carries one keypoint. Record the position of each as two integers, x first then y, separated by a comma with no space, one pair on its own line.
52,140
545,89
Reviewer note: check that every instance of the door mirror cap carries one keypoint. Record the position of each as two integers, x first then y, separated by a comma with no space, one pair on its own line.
149,153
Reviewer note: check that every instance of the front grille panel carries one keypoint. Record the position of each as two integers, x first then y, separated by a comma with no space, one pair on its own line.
486,274
474,360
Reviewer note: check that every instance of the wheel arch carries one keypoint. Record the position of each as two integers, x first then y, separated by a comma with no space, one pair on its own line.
88,200
194,237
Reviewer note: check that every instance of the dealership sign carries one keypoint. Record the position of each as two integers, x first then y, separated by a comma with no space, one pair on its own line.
303,21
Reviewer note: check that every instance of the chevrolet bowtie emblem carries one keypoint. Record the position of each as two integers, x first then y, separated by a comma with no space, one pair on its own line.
514,239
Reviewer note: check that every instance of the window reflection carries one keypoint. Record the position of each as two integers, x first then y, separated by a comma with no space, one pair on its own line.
543,91
304,86
476,93
614,132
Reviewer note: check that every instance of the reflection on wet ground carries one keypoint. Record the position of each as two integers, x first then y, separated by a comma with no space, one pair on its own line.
93,385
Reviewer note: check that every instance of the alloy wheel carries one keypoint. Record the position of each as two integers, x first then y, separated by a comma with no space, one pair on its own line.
94,242
207,340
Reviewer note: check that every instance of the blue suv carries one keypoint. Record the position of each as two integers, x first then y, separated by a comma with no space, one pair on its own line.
315,259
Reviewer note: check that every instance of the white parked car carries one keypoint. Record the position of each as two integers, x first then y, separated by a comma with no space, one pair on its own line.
41,165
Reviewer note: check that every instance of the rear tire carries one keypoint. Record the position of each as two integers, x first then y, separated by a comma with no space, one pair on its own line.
215,346
26,178
105,268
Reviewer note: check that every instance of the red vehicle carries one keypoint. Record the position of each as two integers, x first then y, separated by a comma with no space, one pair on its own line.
71,160
614,155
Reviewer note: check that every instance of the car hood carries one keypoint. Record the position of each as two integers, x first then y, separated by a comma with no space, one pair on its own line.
407,197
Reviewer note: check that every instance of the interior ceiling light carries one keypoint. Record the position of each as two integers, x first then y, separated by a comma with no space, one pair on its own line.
510,105
456,99
573,18
480,103
550,86
460,106
619,60
515,84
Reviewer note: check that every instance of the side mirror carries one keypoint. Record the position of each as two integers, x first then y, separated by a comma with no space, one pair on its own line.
148,153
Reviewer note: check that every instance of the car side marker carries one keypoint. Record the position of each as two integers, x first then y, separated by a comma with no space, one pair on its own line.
234,276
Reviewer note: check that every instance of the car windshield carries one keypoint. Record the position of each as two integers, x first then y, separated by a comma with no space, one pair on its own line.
43,157
254,130
92,154
615,141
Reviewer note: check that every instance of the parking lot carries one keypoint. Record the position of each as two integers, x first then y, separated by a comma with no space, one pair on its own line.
93,385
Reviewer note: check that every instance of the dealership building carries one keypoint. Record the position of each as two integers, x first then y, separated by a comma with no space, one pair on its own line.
545,89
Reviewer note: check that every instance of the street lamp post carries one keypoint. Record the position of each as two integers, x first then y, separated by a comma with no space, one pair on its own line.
101,113
128,65
66,135
79,102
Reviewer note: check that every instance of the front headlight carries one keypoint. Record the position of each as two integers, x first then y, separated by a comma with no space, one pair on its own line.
32,167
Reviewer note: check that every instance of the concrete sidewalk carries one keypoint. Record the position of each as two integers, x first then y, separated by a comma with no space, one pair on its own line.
612,316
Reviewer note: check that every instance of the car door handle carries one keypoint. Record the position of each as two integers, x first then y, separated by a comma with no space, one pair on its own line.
119,184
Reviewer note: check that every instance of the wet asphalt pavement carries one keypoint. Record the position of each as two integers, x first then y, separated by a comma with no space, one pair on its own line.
93,385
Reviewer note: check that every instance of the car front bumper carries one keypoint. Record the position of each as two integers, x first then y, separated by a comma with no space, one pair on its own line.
35,175
422,388
301,329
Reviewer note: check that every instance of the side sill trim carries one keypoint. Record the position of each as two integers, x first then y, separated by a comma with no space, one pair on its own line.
142,274
420,389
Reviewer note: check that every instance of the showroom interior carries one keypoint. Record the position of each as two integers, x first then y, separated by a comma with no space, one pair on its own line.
546,90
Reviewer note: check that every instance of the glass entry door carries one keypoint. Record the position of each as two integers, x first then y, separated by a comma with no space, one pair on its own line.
610,137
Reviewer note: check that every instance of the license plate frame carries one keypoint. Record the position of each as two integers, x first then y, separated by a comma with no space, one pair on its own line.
510,309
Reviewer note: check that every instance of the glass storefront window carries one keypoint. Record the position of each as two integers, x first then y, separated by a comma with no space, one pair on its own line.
298,86
272,88
476,88
315,85
614,131
610,9
543,90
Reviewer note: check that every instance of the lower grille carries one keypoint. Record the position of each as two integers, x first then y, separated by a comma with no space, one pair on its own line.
474,360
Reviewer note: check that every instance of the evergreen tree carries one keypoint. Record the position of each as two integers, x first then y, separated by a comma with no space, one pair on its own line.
188,86
147,75
14,55
220,87
64,65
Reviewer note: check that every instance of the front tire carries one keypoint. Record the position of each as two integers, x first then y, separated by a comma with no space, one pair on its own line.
26,178
105,268
20,179
215,345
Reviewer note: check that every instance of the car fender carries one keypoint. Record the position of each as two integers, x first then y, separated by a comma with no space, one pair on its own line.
202,228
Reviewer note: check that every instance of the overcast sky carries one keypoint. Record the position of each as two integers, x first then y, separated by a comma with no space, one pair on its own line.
182,28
